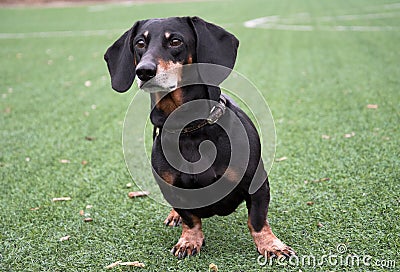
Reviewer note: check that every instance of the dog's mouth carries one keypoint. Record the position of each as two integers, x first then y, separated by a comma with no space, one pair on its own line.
160,83
149,87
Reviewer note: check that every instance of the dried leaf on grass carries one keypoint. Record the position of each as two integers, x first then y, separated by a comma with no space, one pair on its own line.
213,267
349,135
138,194
372,106
65,238
90,138
84,162
281,159
310,203
55,199
88,219
34,209
319,225
326,137
65,161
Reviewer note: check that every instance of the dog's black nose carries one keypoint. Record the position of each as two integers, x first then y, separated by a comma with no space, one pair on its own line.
146,71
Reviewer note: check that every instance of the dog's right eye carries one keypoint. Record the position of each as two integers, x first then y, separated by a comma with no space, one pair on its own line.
140,44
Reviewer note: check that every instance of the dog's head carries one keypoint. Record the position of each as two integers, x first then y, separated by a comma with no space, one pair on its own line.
152,47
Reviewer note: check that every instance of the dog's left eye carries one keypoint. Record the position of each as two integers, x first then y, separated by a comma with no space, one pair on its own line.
140,44
175,42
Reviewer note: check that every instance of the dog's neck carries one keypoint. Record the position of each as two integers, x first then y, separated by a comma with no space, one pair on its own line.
163,104
166,103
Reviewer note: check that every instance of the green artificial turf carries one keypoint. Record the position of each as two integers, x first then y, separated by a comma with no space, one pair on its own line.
317,83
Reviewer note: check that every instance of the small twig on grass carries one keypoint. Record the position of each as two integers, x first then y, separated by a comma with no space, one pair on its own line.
55,199
113,265
90,138
135,264
138,194
281,159
117,263
316,180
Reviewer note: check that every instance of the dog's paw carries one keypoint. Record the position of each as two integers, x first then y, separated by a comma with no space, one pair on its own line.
186,247
275,249
173,219
268,244
191,241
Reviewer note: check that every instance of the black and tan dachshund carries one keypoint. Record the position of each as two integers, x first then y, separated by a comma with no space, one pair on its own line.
152,47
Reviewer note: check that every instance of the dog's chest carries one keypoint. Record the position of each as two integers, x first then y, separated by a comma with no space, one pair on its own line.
195,161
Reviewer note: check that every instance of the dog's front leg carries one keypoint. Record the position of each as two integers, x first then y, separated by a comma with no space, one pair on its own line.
192,237
267,243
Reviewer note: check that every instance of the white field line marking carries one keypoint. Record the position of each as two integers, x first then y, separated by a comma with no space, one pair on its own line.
284,27
359,16
105,7
261,21
392,6
130,3
296,22
306,18
62,34
361,28
376,8
327,28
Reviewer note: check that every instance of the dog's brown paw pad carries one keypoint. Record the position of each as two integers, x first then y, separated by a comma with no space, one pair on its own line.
173,219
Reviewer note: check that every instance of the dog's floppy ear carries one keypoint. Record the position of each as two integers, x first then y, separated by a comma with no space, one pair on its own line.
214,45
120,60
